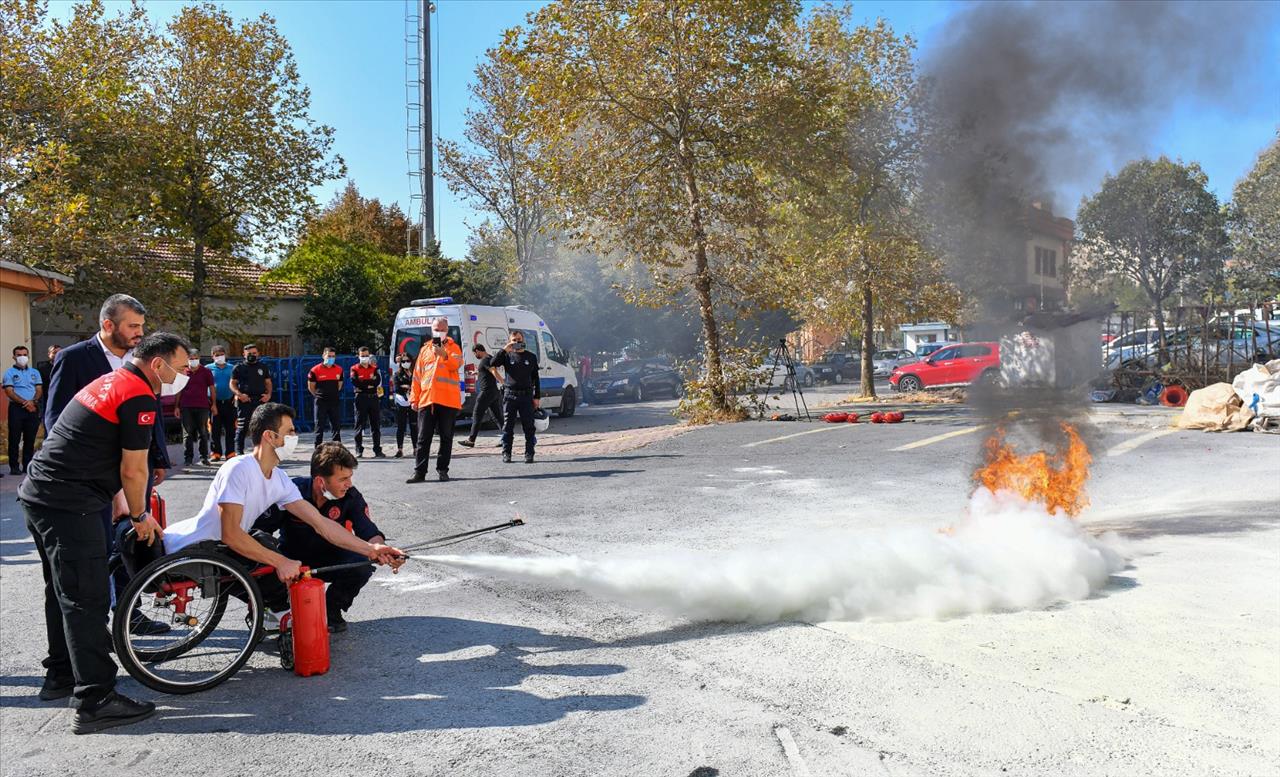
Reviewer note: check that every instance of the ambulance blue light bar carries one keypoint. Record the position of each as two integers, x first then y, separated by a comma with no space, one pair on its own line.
433,301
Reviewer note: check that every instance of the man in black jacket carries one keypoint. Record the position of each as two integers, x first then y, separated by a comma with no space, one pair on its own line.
488,397
522,392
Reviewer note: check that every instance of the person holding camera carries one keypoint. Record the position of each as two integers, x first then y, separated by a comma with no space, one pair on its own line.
522,393
436,395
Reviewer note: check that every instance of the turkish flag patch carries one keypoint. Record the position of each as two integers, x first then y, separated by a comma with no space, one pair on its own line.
147,418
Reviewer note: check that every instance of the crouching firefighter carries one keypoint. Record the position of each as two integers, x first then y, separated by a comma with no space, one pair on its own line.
330,491
243,490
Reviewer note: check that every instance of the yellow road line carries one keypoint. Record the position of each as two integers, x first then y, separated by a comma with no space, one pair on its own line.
1134,442
830,428
937,438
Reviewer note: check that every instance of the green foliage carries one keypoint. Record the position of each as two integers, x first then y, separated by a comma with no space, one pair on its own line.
338,312
1254,271
357,219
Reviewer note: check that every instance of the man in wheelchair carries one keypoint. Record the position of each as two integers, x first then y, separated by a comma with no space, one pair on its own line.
330,491
244,488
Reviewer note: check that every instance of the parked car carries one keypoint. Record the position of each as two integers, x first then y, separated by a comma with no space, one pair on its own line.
959,364
636,381
838,367
1124,347
1188,347
883,362
927,348
805,376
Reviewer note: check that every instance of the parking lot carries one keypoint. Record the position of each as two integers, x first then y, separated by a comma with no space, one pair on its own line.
1173,668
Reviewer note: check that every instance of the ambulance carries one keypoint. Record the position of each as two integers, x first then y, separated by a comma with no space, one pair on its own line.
471,324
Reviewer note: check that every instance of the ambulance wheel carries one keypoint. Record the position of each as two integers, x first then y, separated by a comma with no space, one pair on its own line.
215,633
568,403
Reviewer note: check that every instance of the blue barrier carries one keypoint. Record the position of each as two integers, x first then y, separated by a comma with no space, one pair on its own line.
289,387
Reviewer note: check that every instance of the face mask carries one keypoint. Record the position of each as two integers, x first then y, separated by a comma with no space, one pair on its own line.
251,358
404,365
193,363
22,361
220,360
519,345
179,383
286,450
329,360
329,496
366,359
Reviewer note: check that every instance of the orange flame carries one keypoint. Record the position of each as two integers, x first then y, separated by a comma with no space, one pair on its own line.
1056,481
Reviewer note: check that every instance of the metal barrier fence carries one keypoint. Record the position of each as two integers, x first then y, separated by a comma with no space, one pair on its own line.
1203,344
289,387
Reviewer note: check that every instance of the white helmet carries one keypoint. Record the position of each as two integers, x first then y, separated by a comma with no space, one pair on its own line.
541,421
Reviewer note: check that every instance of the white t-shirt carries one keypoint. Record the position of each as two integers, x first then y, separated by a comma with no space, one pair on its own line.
238,482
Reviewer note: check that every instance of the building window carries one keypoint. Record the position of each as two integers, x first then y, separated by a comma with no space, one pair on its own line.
280,346
1046,262
1039,256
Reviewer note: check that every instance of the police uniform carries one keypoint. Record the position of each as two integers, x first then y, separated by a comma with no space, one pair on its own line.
23,423
406,416
300,542
366,379
328,380
70,481
252,379
520,386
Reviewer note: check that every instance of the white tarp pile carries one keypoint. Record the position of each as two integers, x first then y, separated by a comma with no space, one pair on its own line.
1259,390
1251,400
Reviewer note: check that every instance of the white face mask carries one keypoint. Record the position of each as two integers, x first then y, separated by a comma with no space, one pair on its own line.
366,359
220,360
21,360
290,444
330,496
178,384
193,363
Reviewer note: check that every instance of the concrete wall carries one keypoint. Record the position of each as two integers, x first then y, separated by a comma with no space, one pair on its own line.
15,323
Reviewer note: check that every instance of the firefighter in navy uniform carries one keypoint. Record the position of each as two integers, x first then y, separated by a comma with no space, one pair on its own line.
251,386
98,446
330,491
366,379
521,394
324,381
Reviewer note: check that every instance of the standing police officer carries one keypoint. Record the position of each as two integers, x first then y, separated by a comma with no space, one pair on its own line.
488,395
98,446
324,381
366,378
251,385
522,392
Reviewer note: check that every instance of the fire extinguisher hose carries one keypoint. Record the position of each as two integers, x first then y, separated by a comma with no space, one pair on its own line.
438,542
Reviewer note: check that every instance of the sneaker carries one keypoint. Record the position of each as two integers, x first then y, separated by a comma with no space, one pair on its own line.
142,626
467,443
186,463
528,458
216,457
115,710
337,623
400,453
506,457
418,477
443,477
205,463
359,454
56,688
379,455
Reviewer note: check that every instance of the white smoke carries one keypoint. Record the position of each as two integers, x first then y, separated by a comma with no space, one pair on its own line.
1004,554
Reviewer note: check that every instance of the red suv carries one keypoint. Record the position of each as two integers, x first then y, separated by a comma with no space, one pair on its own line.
956,365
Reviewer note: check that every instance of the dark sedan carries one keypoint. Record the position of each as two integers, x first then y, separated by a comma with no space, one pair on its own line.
636,381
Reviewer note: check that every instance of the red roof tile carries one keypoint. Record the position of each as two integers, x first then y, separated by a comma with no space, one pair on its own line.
176,260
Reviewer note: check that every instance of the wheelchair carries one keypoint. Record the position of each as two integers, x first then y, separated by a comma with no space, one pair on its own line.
214,608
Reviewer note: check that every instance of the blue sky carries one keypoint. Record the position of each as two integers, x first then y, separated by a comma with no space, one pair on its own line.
351,54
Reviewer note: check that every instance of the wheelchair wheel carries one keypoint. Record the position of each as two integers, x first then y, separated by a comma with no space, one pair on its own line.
214,610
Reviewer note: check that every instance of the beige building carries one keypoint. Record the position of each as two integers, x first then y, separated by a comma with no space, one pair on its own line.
19,285
276,333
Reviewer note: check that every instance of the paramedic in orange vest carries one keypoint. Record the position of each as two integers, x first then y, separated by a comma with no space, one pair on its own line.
436,395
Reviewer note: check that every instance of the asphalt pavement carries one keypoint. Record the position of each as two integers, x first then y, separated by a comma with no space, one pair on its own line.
1172,669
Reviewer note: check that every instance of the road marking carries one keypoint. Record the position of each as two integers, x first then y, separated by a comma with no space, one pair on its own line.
792,752
830,428
1134,442
937,438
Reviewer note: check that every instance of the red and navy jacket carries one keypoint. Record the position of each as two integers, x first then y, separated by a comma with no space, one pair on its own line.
78,468
328,381
366,379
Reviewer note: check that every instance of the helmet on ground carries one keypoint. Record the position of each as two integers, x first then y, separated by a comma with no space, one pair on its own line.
541,421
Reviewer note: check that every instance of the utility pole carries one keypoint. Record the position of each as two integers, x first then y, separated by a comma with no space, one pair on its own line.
428,232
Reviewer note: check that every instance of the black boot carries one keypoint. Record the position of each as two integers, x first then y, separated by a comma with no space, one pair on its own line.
467,443
418,477
115,710
506,457
528,458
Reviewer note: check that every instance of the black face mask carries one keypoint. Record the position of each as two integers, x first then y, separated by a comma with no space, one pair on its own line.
251,358
518,345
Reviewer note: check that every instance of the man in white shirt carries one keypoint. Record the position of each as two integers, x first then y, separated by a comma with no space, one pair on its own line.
244,489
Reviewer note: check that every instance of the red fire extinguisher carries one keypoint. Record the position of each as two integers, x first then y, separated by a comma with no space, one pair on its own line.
157,509
306,628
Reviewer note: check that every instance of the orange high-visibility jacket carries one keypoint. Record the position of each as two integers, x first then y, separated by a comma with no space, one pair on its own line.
435,380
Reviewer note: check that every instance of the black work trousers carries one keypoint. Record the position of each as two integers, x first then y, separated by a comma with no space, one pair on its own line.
368,414
328,411
195,425
435,421
406,417
23,425
244,411
345,584
490,402
518,403
224,427
73,559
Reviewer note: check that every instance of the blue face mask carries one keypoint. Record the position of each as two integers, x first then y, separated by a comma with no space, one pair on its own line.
329,360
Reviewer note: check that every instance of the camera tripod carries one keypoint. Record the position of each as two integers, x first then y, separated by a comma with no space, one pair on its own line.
782,356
